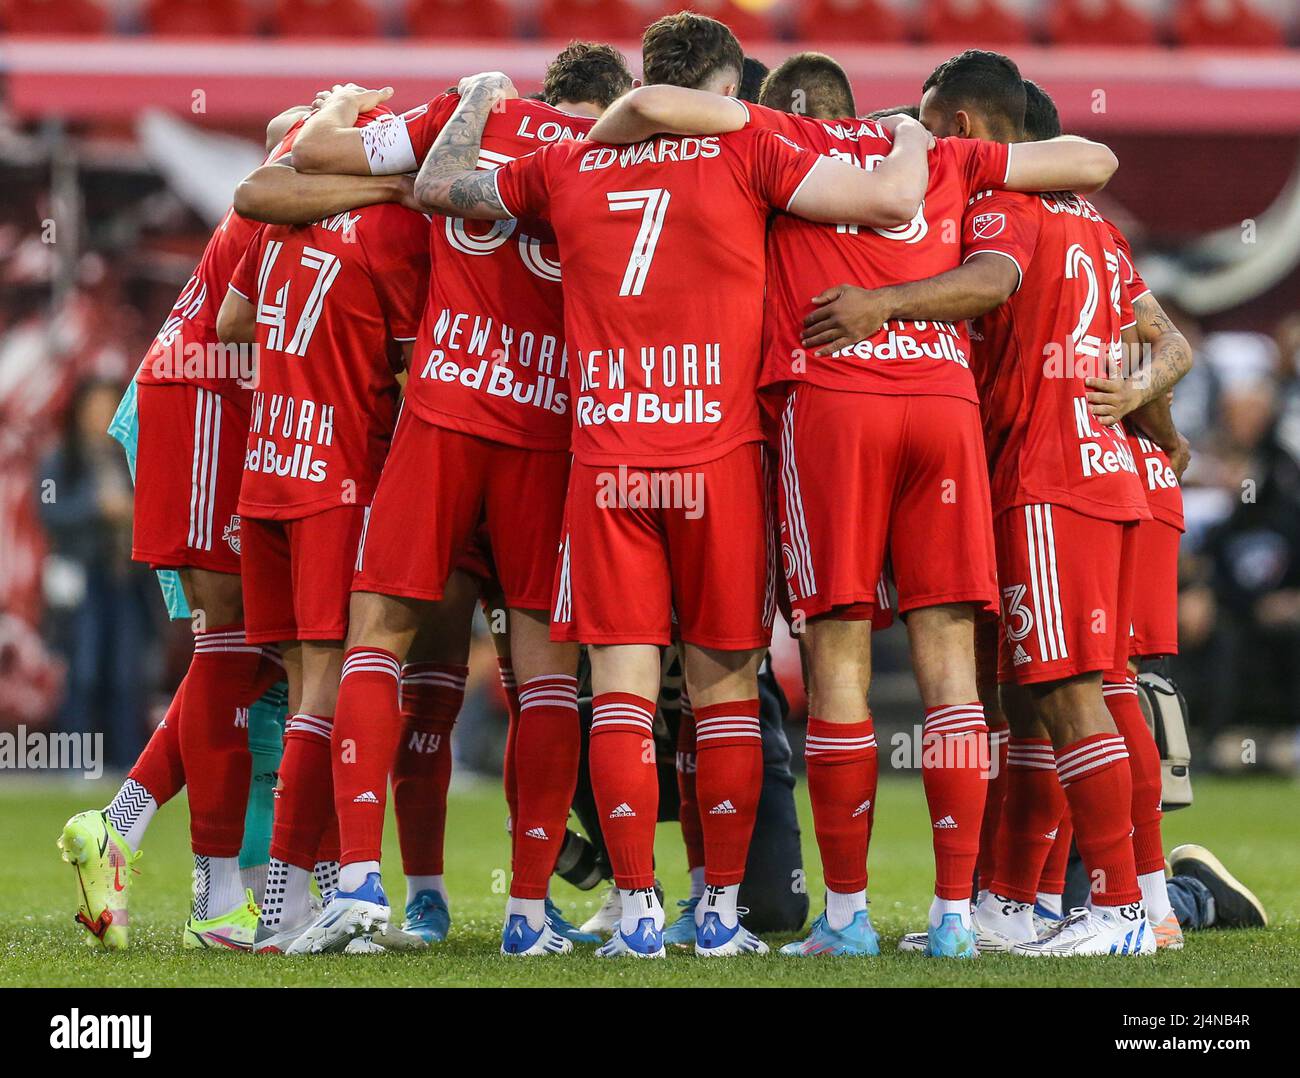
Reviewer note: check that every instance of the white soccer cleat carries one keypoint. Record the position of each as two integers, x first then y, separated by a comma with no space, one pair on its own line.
363,912
520,939
606,919
914,943
1109,930
991,935
647,941
714,939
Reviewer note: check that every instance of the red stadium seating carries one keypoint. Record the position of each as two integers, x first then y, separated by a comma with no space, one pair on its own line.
746,25
972,23
459,19
849,20
325,18
591,20
63,17
1226,24
200,18
1099,22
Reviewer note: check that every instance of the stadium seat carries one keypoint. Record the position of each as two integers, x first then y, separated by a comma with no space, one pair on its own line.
1099,22
200,18
459,18
63,17
746,25
591,20
325,18
849,20
972,23
1236,24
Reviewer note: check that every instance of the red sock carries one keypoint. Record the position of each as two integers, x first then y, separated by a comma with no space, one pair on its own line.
1144,763
431,696
508,772
625,782
1052,881
728,780
1031,812
367,728
954,770
1095,774
329,839
842,773
219,687
304,797
547,748
159,768
688,812
997,789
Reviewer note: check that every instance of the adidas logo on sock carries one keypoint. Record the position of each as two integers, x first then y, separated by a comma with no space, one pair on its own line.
946,822
367,798
1052,833
864,807
620,810
537,832
1020,656
723,808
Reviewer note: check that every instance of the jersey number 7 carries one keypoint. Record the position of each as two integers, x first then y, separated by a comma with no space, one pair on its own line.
653,204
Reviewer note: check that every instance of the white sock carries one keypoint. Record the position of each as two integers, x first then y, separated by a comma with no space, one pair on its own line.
416,884
253,878
287,901
942,906
533,909
354,875
697,882
326,875
130,811
1011,918
1054,904
842,907
1155,896
637,905
217,886
719,900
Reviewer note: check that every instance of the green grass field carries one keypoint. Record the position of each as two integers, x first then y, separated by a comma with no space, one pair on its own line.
1250,825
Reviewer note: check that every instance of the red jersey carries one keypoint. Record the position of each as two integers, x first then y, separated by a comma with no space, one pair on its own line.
490,357
1061,326
662,250
182,350
913,357
1164,493
331,298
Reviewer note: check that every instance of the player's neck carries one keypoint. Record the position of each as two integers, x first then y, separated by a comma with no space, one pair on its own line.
580,108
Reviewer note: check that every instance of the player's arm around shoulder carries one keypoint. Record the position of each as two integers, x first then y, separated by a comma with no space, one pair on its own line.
668,110
330,141
450,181
1065,163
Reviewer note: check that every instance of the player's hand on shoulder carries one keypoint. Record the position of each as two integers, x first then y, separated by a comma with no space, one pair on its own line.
362,98
901,125
844,316
495,82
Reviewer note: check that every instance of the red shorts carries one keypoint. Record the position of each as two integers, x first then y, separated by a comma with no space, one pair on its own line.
298,575
189,464
1067,593
437,487
1155,594
870,477
704,557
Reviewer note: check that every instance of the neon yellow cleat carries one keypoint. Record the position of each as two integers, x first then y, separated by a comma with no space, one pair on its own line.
105,866
233,931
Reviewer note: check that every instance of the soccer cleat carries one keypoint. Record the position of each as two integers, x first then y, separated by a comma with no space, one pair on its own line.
105,865
1045,920
428,917
233,931
713,939
951,939
520,939
681,933
646,942
605,920
1168,933
914,942
1234,904
394,937
1117,930
989,938
555,918
366,945
857,938
277,940
348,914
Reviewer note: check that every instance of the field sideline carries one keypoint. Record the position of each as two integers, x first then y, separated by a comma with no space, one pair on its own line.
1250,825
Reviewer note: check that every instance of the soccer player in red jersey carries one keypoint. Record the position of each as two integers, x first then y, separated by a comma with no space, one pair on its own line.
486,420
901,403
662,250
333,307
193,417
1066,502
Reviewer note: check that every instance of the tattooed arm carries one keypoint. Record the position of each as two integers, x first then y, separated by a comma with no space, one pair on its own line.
1147,380
450,181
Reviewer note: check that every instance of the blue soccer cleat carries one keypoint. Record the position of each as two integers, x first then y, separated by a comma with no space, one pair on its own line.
428,917
522,940
681,933
951,939
858,938
714,939
571,932
363,912
646,941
